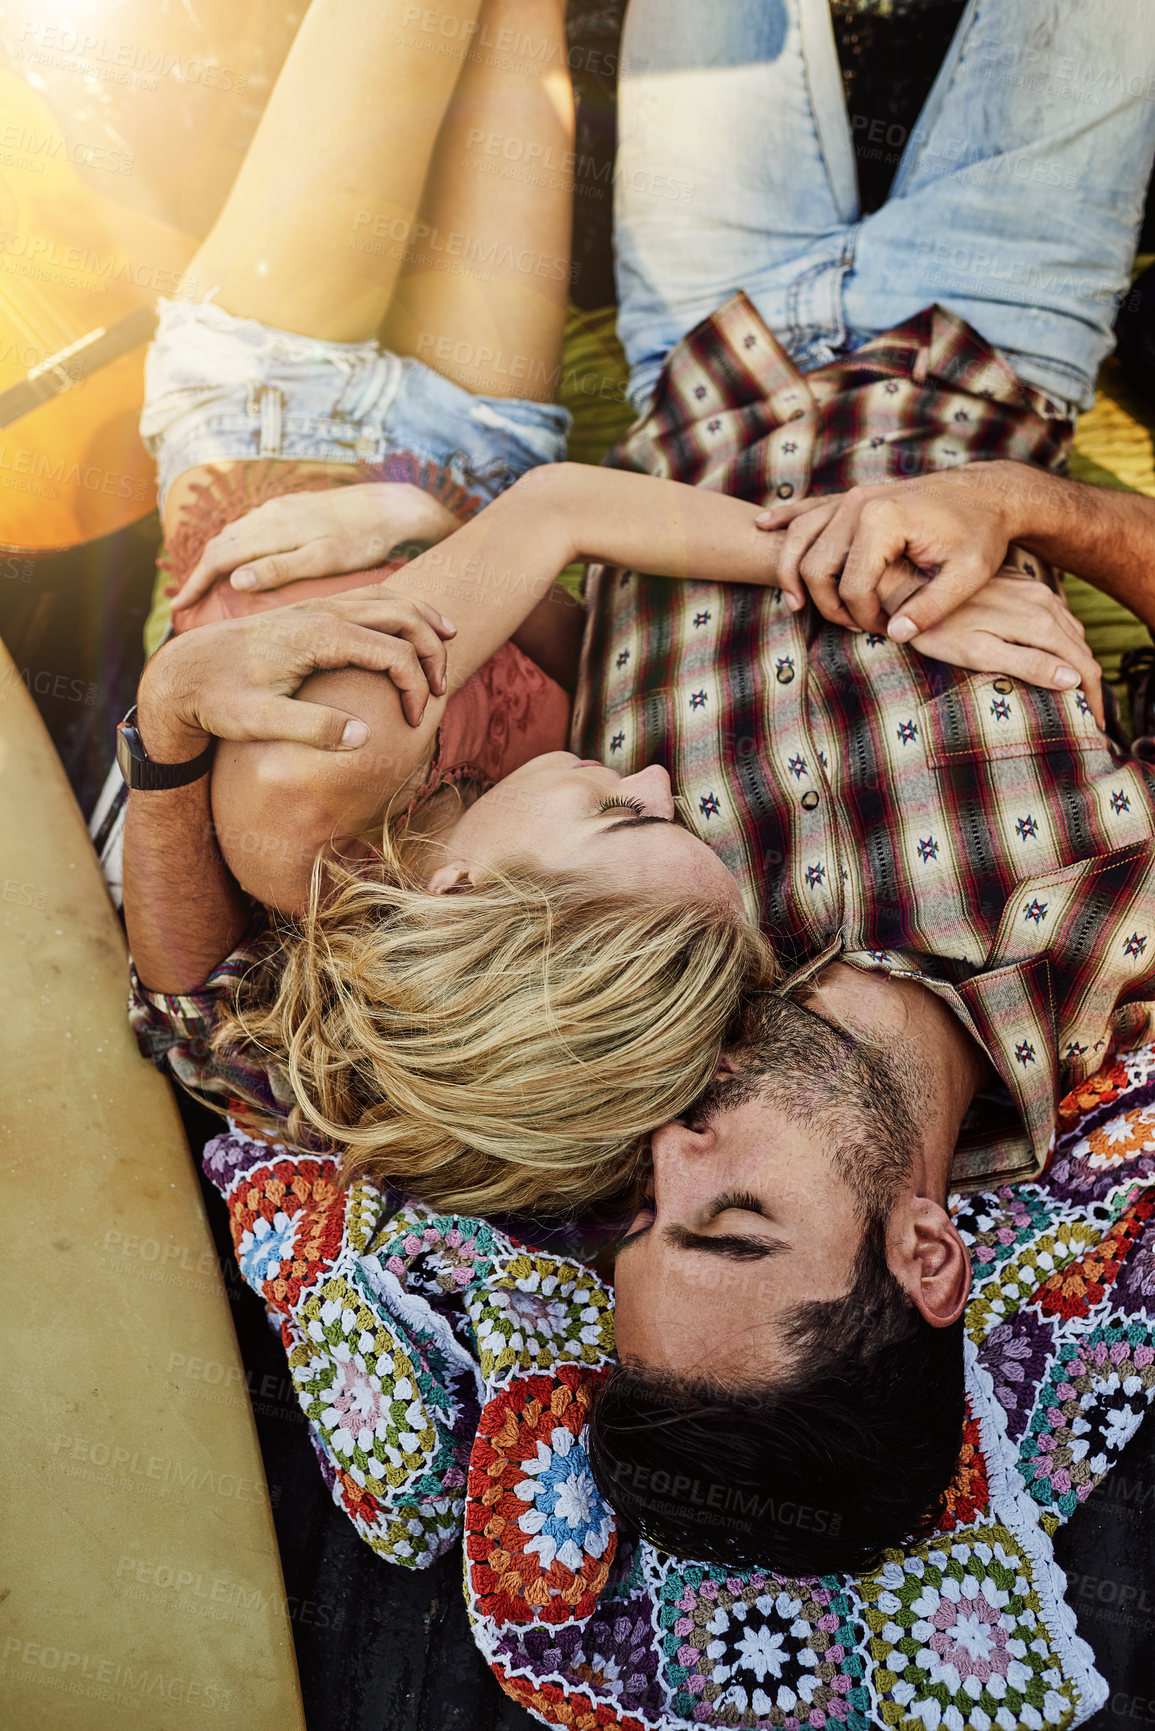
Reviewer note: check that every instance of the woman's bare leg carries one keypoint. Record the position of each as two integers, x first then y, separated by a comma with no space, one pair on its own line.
338,161
482,298
340,158
307,240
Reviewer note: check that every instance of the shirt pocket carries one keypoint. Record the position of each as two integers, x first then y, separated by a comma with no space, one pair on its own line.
1094,922
993,717
1027,786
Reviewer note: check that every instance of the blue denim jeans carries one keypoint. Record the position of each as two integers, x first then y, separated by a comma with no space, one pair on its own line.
1016,200
220,387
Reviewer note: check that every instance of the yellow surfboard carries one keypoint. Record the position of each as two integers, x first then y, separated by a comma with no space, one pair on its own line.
139,1577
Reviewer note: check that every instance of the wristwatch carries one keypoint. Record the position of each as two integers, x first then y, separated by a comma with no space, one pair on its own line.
138,768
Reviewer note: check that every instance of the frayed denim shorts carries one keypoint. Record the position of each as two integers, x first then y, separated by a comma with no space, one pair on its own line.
219,388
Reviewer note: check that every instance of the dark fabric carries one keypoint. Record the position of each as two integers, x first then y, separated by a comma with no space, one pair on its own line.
1135,331
889,61
72,622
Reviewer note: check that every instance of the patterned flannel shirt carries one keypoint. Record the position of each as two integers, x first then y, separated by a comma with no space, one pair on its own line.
975,834
981,836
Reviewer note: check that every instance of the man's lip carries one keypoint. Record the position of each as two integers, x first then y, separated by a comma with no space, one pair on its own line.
590,763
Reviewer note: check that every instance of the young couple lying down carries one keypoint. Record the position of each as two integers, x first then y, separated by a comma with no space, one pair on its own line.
790,907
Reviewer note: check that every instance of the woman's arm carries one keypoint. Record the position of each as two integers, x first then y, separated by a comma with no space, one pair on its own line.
492,573
277,803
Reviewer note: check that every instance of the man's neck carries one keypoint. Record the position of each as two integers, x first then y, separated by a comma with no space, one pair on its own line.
901,1015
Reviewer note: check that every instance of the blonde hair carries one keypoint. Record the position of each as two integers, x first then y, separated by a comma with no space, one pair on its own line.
503,1050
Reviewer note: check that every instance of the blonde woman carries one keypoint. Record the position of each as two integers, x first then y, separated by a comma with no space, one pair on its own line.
371,365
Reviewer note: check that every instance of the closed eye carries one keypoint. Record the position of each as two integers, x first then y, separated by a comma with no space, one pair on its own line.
626,802
631,1237
742,1200
621,802
736,1247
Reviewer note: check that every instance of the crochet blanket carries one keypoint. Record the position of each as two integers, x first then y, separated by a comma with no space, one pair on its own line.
446,1371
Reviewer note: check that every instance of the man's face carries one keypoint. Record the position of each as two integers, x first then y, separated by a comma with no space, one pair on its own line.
758,1201
749,1219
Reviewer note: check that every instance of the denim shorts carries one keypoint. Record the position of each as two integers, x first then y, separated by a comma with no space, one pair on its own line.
220,388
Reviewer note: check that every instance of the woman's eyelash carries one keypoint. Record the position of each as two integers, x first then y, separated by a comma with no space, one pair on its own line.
622,802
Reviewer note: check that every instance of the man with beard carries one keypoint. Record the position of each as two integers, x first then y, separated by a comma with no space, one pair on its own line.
957,872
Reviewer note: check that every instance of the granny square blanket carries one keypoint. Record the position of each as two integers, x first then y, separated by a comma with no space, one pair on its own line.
446,1371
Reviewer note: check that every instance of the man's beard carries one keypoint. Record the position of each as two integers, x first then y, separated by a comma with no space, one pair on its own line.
861,1101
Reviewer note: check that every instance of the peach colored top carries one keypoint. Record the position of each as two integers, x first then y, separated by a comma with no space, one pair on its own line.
506,713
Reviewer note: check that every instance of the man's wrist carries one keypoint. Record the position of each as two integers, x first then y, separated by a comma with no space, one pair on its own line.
1029,498
167,735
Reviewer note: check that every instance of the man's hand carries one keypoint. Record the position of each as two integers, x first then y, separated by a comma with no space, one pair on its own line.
955,526
320,534
236,680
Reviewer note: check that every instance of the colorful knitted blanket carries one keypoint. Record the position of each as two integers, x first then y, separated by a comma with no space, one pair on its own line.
446,1371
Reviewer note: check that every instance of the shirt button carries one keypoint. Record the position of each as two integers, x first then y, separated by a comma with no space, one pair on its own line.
785,675
366,447
809,799
1004,685
785,490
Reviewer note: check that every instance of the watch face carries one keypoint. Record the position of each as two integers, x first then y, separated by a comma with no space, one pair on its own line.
129,751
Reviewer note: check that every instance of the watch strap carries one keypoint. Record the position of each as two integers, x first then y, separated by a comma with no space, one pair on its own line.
142,773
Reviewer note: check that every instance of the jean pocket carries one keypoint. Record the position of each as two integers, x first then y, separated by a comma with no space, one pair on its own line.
503,439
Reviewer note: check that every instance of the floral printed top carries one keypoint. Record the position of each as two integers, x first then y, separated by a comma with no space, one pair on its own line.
446,1371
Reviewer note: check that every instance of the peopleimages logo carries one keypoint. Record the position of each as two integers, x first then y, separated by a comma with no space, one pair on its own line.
680,1494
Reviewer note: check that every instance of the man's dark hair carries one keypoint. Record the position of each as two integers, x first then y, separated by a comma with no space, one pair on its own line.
851,1449
812,1475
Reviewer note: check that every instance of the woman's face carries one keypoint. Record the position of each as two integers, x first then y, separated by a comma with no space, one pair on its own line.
574,814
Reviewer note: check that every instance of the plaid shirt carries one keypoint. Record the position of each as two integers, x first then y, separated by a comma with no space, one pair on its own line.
975,834
980,836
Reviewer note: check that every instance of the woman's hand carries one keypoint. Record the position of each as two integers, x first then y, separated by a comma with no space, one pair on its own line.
236,680
320,534
1014,625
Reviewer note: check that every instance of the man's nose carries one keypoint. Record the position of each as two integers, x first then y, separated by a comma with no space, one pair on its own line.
674,1143
680,1175
652,786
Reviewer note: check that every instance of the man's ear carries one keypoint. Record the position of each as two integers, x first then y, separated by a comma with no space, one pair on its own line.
928,1258
451,879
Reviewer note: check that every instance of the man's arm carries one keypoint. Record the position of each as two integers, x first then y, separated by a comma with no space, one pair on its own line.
1101,534
956,526
183,908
